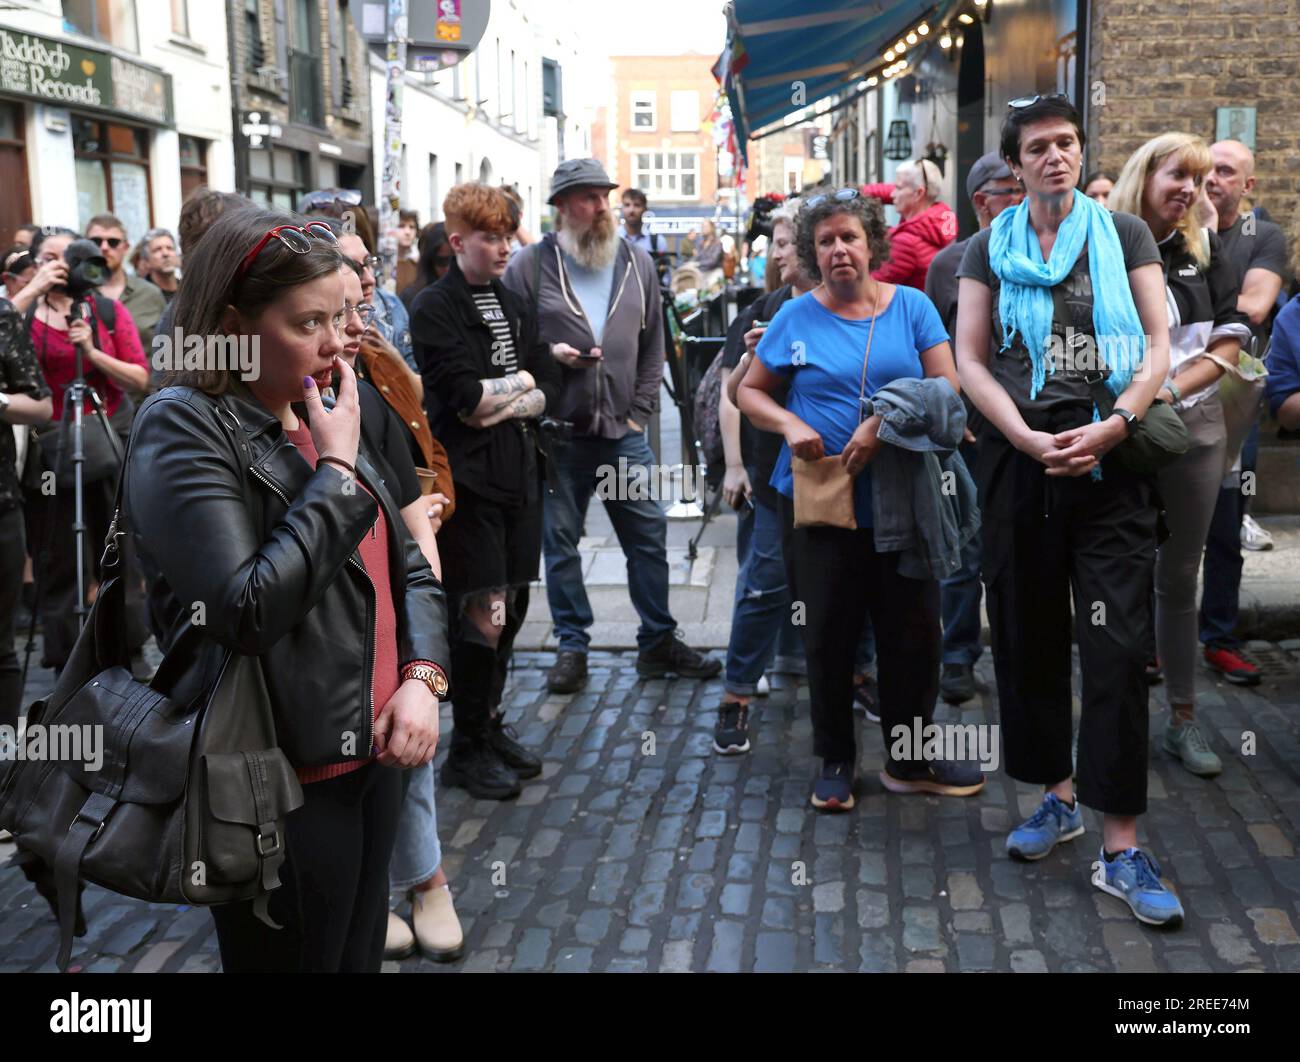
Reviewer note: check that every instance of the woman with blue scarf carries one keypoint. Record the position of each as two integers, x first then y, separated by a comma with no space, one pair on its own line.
1057,294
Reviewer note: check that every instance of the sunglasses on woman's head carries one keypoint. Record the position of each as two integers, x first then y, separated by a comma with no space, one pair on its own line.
844,195
295,237
1029,101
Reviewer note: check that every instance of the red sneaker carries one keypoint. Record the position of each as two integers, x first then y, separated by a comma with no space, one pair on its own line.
1232,666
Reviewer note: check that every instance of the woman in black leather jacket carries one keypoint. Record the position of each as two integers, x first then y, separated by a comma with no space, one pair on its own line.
257,517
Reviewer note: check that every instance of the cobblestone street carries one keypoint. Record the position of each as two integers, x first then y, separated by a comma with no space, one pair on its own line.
617,859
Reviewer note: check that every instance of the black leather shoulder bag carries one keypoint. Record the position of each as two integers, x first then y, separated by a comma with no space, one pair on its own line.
188,801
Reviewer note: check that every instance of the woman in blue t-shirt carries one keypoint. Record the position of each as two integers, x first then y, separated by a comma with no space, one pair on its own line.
816,344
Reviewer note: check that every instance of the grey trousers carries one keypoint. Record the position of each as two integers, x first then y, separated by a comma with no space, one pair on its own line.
1189,488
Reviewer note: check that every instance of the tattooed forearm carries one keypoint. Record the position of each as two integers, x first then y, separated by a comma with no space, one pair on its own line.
529,404
504,385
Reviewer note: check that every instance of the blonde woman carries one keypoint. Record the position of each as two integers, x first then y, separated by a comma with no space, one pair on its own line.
1161,183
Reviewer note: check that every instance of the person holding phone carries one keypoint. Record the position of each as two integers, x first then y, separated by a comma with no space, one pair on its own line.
760,616
253,499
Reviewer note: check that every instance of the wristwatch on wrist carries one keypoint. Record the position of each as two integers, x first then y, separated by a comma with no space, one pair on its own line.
1130,419
431,675
4,403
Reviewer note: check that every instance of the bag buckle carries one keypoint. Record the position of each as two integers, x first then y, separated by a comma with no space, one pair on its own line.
274,842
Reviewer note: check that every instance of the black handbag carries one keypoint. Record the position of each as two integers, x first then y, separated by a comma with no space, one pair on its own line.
102,450
1161,437
188,802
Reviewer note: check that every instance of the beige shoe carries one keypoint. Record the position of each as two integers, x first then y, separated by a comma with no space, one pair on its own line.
400,941
436,926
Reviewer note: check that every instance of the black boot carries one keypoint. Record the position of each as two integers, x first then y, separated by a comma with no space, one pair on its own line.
569,674
477,767
505,742
672,654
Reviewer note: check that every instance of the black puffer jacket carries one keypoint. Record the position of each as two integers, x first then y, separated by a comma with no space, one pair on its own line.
237,533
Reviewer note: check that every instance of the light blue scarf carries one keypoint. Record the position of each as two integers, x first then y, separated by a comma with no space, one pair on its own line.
1025,300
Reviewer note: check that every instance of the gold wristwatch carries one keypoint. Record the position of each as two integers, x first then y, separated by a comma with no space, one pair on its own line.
431,675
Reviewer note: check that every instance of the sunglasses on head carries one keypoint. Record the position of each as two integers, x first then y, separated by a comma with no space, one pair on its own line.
1029,101
295,237
844,195
112,241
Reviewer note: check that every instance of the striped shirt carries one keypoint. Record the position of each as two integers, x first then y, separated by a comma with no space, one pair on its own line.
503,343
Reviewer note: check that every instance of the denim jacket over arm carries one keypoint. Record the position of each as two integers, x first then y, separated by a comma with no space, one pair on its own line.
922,496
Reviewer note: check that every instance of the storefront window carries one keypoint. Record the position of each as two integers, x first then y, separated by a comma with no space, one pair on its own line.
194,165
278,176
112,165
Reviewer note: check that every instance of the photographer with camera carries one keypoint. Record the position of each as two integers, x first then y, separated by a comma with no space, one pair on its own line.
65,320
24,399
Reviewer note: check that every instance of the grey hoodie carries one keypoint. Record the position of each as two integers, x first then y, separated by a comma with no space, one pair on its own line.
599,399
922,496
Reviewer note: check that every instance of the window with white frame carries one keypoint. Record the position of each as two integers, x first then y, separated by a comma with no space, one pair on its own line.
667,174
686,111
643,111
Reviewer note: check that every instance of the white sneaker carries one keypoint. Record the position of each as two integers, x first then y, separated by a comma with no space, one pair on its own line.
1253,536
763,688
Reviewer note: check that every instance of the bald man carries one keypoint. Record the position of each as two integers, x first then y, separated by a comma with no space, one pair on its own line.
1258,249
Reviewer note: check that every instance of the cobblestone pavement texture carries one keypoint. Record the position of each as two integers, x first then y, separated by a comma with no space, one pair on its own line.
639,849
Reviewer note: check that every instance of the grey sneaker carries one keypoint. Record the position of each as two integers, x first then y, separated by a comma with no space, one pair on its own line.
1189,745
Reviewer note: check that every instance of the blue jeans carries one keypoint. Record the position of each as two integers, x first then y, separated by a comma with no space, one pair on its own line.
417,855
640,525
761,617
960,596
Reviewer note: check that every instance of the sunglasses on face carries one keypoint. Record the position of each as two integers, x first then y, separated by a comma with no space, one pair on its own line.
441,261
1029,101
295,237
113,242
1014,190
844,195
372,262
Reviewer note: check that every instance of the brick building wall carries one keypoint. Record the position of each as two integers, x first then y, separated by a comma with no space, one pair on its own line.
1166,66
662,75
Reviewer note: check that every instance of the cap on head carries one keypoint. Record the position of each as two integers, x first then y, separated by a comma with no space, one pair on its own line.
990,167
578,173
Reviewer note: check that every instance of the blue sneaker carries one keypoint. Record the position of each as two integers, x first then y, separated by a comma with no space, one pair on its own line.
1052,823
1134,877
833,791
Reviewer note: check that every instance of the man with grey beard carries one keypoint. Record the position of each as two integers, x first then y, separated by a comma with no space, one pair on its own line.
598,306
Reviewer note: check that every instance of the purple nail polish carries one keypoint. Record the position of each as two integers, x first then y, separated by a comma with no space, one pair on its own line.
307,381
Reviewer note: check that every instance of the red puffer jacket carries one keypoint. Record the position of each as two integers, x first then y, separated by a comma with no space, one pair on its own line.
913,243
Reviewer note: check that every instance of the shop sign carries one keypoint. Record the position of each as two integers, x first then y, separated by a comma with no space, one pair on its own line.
68,75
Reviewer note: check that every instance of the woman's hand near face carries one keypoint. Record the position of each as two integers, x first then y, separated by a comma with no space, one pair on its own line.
336,432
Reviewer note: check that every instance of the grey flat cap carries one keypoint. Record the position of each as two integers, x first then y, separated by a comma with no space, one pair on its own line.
579,173
990,167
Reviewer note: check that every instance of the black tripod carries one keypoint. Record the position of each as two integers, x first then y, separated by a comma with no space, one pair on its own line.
72,428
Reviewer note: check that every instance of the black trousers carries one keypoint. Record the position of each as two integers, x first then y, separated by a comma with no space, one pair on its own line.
333,898
13,551
1044,539
478,671
839,578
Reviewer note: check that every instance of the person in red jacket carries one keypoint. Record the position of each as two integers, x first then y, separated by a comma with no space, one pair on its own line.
926,228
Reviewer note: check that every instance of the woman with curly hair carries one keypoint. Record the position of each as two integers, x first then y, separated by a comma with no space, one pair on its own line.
835,348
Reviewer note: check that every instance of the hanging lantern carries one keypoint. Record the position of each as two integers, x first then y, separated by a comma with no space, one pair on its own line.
898,145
